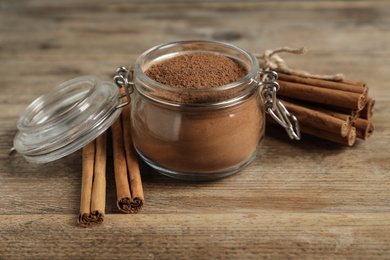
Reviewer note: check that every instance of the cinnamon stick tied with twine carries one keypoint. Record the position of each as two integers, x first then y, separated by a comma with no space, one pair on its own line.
93,186
130,195
326,106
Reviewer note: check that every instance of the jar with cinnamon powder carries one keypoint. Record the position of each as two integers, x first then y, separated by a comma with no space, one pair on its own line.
198,109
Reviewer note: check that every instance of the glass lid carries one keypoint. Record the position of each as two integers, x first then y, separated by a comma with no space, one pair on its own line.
67,118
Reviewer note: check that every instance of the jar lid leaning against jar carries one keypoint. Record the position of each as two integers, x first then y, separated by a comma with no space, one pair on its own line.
186,133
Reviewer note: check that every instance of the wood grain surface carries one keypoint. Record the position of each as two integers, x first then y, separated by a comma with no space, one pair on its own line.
310,199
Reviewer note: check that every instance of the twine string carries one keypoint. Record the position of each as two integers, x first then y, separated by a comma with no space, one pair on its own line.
270,60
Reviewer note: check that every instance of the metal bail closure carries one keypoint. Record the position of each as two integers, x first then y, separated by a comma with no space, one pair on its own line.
275,108
124,80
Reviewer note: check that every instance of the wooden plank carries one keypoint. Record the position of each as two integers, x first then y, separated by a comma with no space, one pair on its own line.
167,6
200,236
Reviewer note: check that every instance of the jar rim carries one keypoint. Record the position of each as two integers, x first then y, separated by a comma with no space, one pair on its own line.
253,71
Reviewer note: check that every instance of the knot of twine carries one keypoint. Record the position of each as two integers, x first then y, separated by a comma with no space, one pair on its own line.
270,60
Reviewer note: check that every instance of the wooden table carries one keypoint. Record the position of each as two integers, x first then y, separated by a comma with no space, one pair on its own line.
308,199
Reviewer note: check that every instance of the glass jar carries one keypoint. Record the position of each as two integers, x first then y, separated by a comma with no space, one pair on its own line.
197,134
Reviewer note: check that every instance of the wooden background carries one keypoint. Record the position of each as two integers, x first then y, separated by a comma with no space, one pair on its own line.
309,199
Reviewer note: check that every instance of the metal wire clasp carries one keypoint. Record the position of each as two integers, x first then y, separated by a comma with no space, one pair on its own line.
124,79
275,108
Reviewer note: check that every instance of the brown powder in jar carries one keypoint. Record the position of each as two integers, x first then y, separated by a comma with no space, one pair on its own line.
198,139
197,70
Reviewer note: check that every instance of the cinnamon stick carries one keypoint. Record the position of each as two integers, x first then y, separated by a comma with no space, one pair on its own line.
343,114
349,86
364,128
333,97
88,163
120,167
353,114
348,140
368,110
98,201
353,82
336,114
318,119
137,193
93,186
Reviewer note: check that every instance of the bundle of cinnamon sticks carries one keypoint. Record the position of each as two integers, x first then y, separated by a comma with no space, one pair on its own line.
338,111
130,195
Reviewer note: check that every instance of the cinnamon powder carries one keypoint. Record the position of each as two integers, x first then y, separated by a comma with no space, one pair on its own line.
197,70
208,139
195,78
